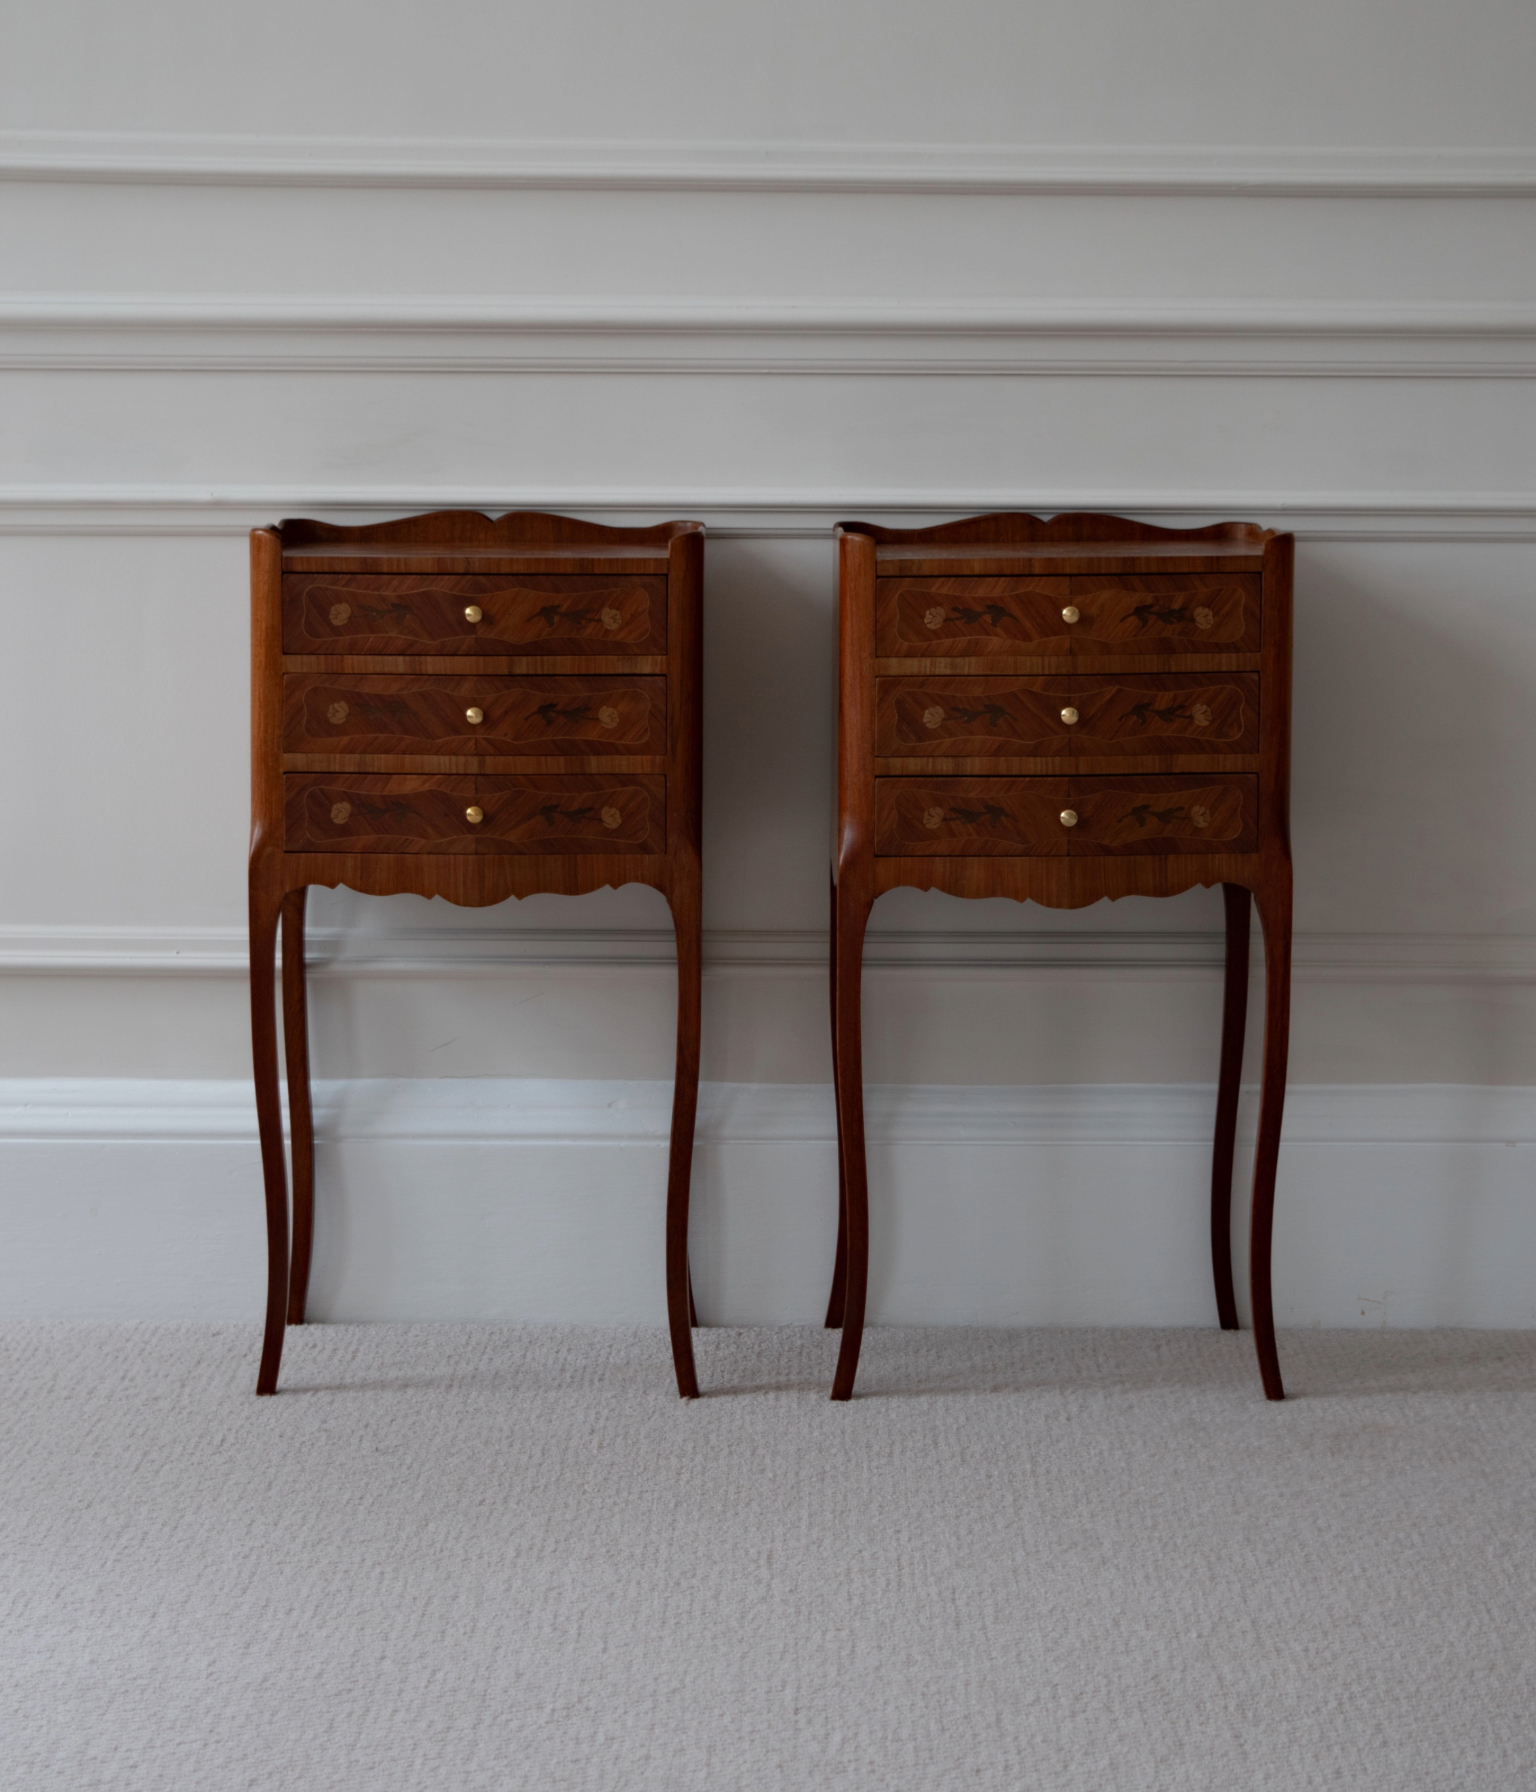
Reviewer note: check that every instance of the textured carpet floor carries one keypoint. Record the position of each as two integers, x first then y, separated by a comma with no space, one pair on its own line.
452,1557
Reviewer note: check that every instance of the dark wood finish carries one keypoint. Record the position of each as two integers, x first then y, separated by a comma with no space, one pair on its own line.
566,798
537,813
1072,618
1086,718
1234,1023
1174,774
301,1120
524,614
443,717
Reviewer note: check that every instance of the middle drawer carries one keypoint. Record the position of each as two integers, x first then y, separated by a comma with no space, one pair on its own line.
326,712
1074,716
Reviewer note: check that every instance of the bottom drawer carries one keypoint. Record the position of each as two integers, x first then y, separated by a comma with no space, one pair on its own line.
1064,817
533,812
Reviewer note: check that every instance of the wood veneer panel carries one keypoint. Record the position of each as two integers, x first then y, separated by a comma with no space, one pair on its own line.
523,615
1093,716
328,713
535,813
971,817
1074,618
1168,815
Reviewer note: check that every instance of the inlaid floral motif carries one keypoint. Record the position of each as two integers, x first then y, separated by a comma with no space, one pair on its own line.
932,716
611,817
1200,815
339,614
1200,715
611,618
608,716
1204,618
341,813
336,713
934,618
933,818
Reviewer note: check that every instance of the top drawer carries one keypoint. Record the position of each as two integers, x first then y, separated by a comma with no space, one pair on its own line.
1078,617
509,614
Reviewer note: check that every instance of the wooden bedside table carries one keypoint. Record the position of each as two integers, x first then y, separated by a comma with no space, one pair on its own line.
1060,712
458,706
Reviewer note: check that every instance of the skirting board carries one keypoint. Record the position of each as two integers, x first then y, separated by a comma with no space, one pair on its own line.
543,1202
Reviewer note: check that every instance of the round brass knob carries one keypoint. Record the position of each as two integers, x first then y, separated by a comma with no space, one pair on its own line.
474,715
474,813
1069,818
1071,613
1069,715
473,612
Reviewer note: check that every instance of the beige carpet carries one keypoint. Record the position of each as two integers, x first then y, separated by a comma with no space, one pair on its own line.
451,1557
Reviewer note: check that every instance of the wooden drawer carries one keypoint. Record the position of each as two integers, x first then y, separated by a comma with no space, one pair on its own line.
1022,817
346,713
1165,613
532,813
409,613
1115,716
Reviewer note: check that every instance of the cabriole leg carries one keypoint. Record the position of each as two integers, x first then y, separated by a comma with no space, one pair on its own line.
1274,904
840,1262
301,1123
1234,1020
687,919
265,904
853,908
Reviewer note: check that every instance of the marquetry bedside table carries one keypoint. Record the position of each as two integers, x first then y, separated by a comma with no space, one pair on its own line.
475,708
1060,712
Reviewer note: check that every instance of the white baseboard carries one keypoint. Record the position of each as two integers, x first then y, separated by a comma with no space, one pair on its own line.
540,1201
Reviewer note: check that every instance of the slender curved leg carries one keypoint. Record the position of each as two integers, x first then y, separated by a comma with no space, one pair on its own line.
301,1120
687,919
854,903
1274,903
265,906
1234,1021
840,1262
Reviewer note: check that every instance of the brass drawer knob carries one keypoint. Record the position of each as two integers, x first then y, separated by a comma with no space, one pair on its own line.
473,612
474,813
474,715
1071,613
1069,715
1069,818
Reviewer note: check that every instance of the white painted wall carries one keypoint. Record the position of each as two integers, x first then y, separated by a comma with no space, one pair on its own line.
768,267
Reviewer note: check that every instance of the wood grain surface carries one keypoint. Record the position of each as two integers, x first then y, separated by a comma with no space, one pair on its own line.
1067,717
404,613
342,713
1072,617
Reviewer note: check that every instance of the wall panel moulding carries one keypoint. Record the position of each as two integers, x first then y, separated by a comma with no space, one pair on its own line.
1425,339
785,167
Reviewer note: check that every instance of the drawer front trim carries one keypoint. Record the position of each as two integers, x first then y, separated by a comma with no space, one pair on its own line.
1165,815
539,814
340,713
1079,617
421,613
1087,716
